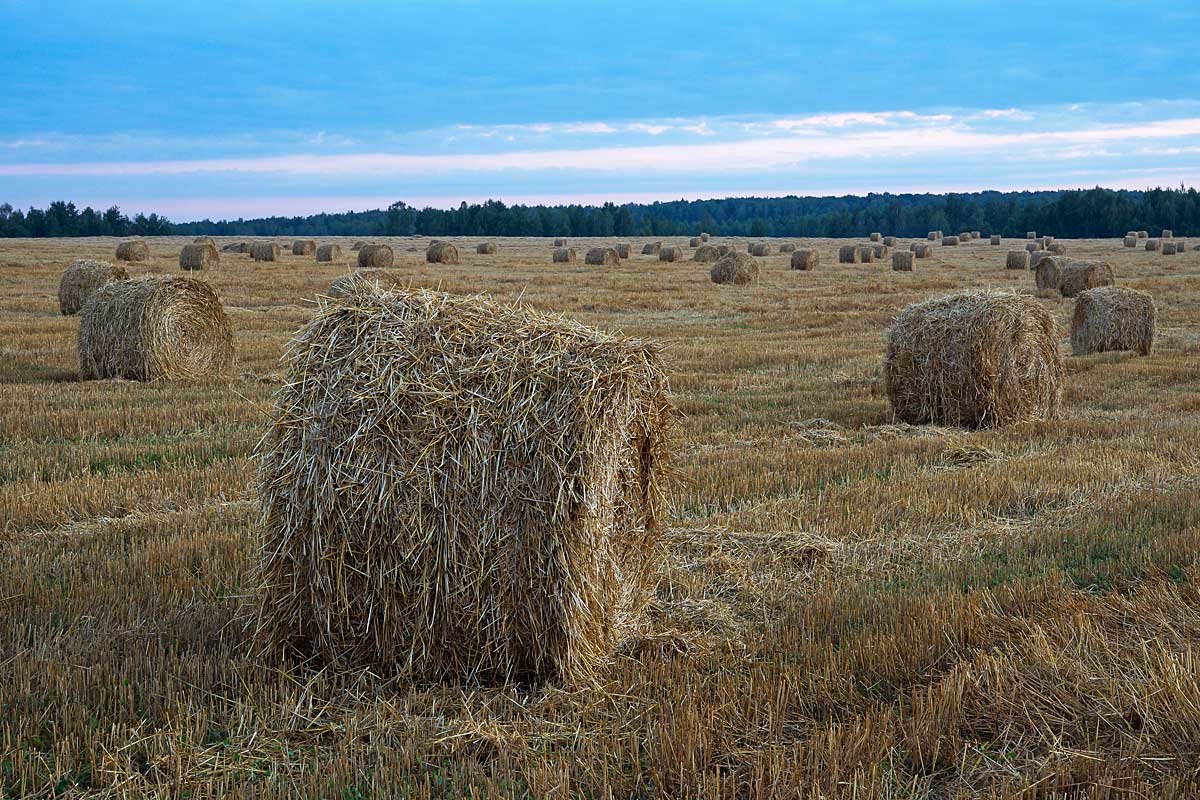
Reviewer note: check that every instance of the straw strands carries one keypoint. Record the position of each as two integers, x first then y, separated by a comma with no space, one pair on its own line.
1113,318
706,253
735,268
81,279
342,285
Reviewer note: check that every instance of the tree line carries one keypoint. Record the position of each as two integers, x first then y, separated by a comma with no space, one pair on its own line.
1076,214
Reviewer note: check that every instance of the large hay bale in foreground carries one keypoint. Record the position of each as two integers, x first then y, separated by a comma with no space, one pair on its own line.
602,257
304,247
518,548
135,250
153,328
977,359
670,253
706,253
623,249
1017,259
902,261
329,252
1113,318
264,251
651,249
1078,276
1130,241
805,259
375,256
441,253
564,255
735,268
343,285
199,256
760,249
848,254
80,281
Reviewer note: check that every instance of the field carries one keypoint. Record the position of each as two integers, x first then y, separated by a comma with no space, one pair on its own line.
848,607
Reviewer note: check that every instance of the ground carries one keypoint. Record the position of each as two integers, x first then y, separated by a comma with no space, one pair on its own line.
848,607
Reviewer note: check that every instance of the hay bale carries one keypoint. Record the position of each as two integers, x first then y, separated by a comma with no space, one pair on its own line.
602,257
890,241
1168,248
964,237
876,237
1131,241
922,250
1078,276
519,548
264,251
995,240
950,241
735,268
486,248
902,261
695,241
1058,248
153,328
375,256
304,247
1113,318
343,284
135,250
1131,233
441,253
880,251
1046,271
866,253
1017,259
1153,245
82,279
651,249
848,254
976,235
705,253
564,255
671,253
560,242
934,236
623,249
805,259
1033,247
787,247
198,256
1031,235
977,359
1167,234
760,249
354,248
704,237
1143,234
329,252
725,249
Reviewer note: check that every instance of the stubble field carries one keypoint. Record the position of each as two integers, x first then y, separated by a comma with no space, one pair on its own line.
847,607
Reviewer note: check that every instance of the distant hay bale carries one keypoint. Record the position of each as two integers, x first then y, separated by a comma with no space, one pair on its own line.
232,247
671,253
1153,244
1078,276
902,260
1058,248
651,249
1038,256
486,248
1017,259
934,236
735,268
1111,318
1131,233
329,252
880,251
560,242
1033,247
848,254
787,247
602,257
441,253
950,241
866,253
695,241
1167,234
922,250
706,253
964,237
760,249
1143,234
1031,235
1047,271
135,250
375,256
995,240
1131,241
564,255
725,249
521,548
198,256
976,235
977,359
304,247
153,328
1168,248
704,237
343,285
80,281
264,251
357,246
623,249
876,237
805,259
890,241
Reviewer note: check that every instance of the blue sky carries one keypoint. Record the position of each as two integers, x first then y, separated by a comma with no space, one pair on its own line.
206,109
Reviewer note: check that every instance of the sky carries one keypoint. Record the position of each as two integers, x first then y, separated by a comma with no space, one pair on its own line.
214,110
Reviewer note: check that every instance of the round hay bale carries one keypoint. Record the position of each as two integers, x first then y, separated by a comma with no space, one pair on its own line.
995,240
342,286
1130,241
1046,271
880,251
890,241
136,250
1168,248
1131,233
1017,259
329,252
1153,245
902,261
950,241
706,253
848,254
153,328
805,259
671,253
1143,234
933,236
1078,276
623,249
486,248
704,237
922,250
375,256
80,281
1058,248
760,249
602,257
964,237
876,237
441,253
737,269
520,548
1112,318
204,240
1033,247
725,249
695,241
866,253
357,246
977,359
304,247
564,255
1167,234
198,256
264,251
787,247
976,235
651,249
1031,235
560,242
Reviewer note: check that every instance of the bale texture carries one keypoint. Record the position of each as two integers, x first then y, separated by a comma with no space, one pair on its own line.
264,251
329,252
1033,247
1153,244
199,256
976,235
485,248
304,247
564,255
441,253
1167,234
704,237
80,281
1046,271
1130,241
602,256
375,256
876,237
866,253
890,241
695,241
787,247
848,254
922,250
735,268
725,249
1058,248
1168,248
880,251
520,547
950,241
1113,318
1017,259
343,284
995,240
651,249
760,249
1078,276
671,253
560,242
805,259
153,328
623,249
1143,234
135,250
902,260
934,236
976,359
705,253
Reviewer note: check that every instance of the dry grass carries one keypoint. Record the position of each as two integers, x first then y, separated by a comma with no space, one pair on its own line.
846,607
